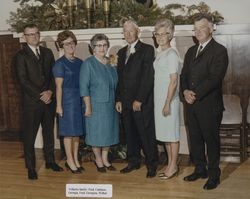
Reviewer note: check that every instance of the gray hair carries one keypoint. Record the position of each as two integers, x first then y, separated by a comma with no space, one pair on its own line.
166,23
204,16
96,38
132,22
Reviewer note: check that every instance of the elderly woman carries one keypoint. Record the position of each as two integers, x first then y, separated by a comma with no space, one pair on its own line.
71,124
98,81
166,99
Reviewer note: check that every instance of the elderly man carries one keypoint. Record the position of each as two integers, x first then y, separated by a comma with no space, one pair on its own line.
205,65
34,71
134,99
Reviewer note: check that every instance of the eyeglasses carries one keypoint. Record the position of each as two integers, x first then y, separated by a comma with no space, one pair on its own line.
32,34
71,43
199,29
156,34
101,45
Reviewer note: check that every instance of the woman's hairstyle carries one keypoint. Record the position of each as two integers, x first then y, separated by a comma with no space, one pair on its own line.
62,36
96,38
166,23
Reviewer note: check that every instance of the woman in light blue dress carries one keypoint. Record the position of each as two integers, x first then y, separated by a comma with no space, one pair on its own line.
166,98
98,81
71,122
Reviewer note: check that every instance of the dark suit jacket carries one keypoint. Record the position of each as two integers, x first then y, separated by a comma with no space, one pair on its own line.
35,76
204,75
136,77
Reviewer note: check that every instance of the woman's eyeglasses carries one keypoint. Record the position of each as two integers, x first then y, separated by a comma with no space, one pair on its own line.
72,43
156,34
101,45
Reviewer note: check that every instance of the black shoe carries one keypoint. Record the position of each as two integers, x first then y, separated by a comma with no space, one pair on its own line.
77,171
195,176
129,168
81,168
53,166
32,175
100,169
110,168
151,173
211,183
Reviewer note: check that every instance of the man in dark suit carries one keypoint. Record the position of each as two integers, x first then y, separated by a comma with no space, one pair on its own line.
33,65
134,99
204,68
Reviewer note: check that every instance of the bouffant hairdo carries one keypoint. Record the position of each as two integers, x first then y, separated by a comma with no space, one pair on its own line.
62,36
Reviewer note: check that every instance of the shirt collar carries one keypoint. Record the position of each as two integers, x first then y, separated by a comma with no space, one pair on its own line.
205,43
133,44
34,49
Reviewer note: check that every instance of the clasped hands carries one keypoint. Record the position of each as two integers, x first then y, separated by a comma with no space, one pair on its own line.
45,96
189,96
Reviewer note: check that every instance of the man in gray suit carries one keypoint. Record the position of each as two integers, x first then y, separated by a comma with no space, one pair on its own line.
204,68
33,65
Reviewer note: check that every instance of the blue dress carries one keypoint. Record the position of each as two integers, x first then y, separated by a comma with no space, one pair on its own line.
98,81
72,121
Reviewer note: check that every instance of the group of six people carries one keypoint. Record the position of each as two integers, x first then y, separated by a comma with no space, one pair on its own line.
143,88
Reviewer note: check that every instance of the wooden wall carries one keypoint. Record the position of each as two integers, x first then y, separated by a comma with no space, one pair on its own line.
9,93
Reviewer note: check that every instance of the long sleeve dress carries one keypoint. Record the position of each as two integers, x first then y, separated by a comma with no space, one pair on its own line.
98,81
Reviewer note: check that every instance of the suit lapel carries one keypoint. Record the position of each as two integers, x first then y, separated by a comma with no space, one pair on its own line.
205,49
131,56
31,55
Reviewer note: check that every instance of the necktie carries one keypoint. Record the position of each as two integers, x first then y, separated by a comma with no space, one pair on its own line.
37,54
127,53
199,50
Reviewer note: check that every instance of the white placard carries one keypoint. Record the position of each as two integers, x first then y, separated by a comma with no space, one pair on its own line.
89,190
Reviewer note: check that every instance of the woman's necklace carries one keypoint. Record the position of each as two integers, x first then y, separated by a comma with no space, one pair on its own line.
103,60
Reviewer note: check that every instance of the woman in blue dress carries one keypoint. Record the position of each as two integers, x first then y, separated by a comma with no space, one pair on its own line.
98,81
71,122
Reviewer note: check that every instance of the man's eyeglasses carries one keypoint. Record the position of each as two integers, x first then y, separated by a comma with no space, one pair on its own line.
156,34
199,29
32,34
101,45
72,43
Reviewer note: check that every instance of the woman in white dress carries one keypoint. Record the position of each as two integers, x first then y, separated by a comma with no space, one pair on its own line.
166,99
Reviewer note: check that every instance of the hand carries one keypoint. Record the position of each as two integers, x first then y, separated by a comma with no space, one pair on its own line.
137,106
118,107
59,111
88,111
46,96
189,96
166,110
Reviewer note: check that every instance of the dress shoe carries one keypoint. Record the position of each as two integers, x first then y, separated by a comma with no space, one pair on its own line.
77,171
53,166
32,175
100,169
163,176
129,168
110,167
151,173
195,176
81,168
211,183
